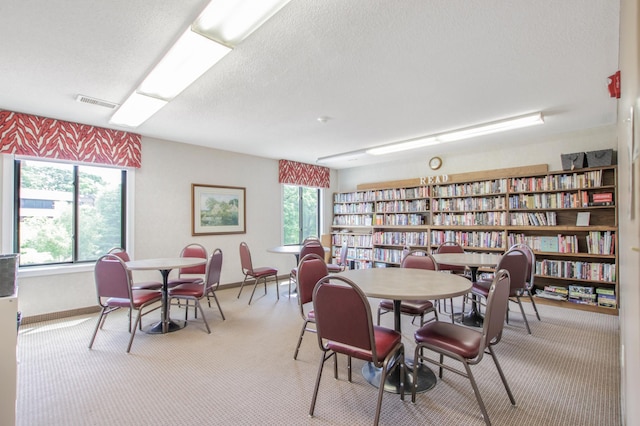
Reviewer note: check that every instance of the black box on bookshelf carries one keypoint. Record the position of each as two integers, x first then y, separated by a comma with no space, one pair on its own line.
573,161
604,157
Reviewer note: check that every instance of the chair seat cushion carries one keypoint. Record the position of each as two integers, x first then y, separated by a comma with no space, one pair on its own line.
450,337
409,307
140,297
333,268
147,285
481,288
386,340
264,271
179,281
190,289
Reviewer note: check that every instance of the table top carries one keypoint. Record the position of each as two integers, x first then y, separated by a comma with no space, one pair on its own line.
289,249
468,259
407,283
164,263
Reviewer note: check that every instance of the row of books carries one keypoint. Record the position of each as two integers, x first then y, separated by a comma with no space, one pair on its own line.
354,197
487,187
400,219
471,219
601,242
399,206
488,239
402,193
558,200
401,238
348,208
590,179
583,295
353,220
533,219
353,240
468,203
592,271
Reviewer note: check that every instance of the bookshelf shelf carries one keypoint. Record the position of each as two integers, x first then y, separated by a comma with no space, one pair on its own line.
489,211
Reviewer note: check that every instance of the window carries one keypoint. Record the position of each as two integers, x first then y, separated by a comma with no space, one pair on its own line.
301,213
67,213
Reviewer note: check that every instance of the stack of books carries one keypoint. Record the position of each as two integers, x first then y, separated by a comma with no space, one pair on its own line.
582,295
602,199
553,292
606,297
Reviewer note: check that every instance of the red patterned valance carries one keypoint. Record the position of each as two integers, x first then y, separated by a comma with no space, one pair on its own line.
295,173
24,134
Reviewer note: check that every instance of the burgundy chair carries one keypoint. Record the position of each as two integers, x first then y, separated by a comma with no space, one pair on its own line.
451,247
197,290
531,272
146,285
344,326
310,245
465,344
516,262
311,269
342,264
417,259
113,287
191,274
261,273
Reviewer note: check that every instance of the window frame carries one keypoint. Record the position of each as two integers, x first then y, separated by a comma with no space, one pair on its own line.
10,202
319,194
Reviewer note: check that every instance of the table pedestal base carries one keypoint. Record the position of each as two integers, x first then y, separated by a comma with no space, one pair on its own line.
470,319
173,325
426,378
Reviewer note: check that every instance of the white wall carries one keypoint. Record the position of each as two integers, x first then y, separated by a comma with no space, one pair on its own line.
162,220
474,159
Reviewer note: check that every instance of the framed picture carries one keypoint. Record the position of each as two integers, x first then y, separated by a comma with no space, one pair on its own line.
217,210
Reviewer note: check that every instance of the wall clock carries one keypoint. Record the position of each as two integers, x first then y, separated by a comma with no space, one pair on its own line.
435,163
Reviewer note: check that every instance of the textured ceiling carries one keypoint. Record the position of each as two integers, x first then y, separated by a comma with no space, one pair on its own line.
381,71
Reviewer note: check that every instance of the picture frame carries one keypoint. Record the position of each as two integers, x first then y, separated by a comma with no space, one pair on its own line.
218,209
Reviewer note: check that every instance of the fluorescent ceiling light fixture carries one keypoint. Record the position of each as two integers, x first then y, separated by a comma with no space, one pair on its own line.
346,156
231,21
493,127
136,110
456,135
403,146
186,61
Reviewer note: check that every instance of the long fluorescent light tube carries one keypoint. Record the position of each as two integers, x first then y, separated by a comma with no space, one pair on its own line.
231,21
494,127
403,146
345,156
455,135
190,57
136,110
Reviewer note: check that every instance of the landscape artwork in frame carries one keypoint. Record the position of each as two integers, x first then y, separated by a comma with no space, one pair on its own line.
217,210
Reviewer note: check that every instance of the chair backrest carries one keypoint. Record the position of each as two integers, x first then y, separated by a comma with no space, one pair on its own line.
310,238
194,250
343,315
112,277
419,259
450,247
531,257
312,246
496,311
344,251
214,268
245,259
311,269
121,253
516,262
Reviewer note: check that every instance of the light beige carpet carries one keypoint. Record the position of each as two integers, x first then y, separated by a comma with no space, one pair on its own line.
243,373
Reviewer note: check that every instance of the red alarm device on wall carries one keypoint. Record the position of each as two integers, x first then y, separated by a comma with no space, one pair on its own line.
614,85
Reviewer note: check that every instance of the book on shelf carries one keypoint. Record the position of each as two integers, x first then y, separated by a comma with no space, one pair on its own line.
550,295
549,244
583,302
583,219
606,291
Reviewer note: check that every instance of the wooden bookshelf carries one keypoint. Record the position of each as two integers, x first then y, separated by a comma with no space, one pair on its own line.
489,211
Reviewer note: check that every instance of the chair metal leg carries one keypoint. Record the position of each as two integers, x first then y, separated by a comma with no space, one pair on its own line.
323,357
524,316
204,319
98,326
502,376
242,285
476,391
133,333
255,285
304,328
215,298
533,303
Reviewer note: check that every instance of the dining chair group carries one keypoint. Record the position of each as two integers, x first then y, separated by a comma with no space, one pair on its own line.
143,285
344,326
198,289
465,344
258,274
309,246
114,288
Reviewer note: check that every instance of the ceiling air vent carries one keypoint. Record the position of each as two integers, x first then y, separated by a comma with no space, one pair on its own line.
94,101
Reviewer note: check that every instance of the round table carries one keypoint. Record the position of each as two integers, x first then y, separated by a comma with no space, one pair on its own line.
473,261
290,249
164,265
406,284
